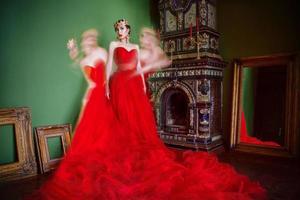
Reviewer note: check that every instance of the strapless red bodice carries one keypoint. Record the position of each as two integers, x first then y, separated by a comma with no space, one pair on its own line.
94,73
124,59
90,72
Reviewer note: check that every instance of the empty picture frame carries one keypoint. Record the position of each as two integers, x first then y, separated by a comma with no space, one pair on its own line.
47,135
18,120
290,114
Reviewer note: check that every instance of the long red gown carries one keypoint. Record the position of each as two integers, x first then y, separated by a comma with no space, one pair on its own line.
116,153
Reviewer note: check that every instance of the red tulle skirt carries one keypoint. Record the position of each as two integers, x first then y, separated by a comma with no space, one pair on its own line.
117,154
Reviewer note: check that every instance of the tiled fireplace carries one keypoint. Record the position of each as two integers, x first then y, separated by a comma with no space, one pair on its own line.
187,96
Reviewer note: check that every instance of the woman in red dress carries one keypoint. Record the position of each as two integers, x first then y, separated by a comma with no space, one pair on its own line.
92,65
117,154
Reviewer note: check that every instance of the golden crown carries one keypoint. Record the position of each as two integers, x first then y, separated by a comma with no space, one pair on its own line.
121,22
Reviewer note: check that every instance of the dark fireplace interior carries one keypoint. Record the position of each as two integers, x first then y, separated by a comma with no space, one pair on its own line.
175,112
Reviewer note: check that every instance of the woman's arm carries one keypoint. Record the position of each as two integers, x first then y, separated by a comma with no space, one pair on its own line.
156,65
109,65
73,50
155,60
140,70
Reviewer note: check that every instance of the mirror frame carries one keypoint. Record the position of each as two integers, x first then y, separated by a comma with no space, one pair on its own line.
291,141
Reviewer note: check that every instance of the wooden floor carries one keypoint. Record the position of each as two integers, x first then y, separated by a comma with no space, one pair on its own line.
281,177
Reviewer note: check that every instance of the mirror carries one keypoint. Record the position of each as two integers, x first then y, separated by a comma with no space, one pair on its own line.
265,118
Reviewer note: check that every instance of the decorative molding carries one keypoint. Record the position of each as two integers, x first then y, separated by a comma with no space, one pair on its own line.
174,85
187,73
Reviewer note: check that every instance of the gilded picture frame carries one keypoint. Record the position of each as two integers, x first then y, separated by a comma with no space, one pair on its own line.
292,98
25,165
42,134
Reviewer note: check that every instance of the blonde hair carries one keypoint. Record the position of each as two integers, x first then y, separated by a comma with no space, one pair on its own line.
93,33
90,37
150,32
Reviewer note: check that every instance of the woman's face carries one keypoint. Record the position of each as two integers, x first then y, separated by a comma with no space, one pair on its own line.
146,40
88,45
122,31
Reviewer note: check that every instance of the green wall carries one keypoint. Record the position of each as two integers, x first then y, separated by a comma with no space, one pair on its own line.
35,69
254,28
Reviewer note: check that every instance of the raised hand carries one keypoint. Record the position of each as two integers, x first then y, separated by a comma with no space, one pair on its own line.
71,44
73,49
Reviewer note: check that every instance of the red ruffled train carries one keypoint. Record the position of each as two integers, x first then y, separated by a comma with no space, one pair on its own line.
117,154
